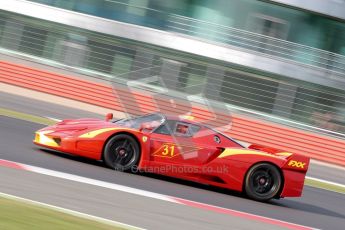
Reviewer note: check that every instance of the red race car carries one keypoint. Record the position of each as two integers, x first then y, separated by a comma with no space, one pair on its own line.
179,147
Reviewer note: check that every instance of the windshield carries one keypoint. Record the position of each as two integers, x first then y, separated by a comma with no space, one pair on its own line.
153,120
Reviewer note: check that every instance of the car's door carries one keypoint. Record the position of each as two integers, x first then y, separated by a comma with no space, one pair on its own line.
176,142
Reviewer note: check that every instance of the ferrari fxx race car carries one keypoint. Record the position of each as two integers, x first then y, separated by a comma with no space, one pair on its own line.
182,148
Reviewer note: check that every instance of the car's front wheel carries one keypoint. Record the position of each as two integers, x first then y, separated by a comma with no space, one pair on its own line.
263,182
122,152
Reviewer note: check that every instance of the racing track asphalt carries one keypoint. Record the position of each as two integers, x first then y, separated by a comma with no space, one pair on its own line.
317,208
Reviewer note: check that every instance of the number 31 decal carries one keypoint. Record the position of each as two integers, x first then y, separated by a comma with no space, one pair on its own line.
168,150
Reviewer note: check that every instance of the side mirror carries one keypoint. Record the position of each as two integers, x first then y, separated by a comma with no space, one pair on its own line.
108,116
145,127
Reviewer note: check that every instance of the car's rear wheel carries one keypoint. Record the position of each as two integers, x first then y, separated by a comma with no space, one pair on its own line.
263,182
122,152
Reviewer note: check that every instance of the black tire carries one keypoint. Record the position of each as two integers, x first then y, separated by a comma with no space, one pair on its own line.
263,182
122,152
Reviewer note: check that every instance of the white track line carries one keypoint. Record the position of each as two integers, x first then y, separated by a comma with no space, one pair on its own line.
99,183
53,119
71,212
326,182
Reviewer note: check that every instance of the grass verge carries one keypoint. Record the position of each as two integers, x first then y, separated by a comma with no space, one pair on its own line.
18,215
324,185
26,117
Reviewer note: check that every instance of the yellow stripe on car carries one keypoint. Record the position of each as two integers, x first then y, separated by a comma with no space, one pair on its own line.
284,154
97,132
94,133
232,152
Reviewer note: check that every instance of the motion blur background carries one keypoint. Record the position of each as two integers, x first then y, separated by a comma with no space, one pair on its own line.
280,60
